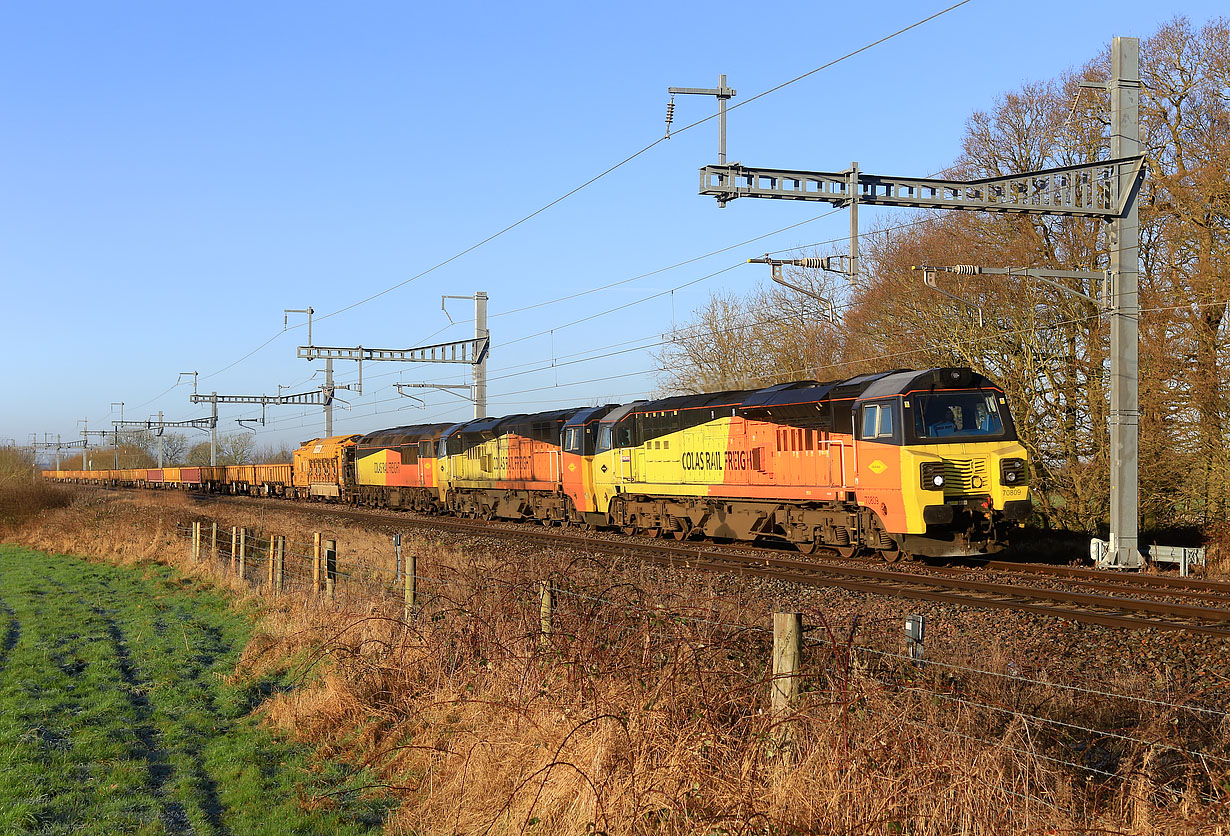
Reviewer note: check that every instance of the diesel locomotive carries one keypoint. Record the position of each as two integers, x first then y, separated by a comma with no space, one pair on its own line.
898,464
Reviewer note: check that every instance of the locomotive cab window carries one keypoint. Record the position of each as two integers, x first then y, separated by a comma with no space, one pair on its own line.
574,438
626,434
959,416
604,438
879,423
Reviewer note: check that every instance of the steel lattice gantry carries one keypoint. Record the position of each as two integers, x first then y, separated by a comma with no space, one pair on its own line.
472,352
1105,189
312,398
159,425
1092,190
316,397
461,351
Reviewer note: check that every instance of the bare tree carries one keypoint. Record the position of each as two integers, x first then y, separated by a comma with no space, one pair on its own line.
198,455
270,454
770,335
236,448
1048,348
174,448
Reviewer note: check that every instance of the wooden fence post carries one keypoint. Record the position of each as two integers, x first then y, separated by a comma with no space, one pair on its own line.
316,563
412,579
196,540
331,569
787,643
546,607
243,552
213,543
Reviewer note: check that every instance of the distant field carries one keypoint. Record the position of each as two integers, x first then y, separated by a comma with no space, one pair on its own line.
115,717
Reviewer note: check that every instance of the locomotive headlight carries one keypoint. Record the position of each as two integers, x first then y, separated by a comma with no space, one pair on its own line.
932,474
1012,472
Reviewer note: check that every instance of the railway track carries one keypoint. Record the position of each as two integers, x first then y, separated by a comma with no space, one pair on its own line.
1088,596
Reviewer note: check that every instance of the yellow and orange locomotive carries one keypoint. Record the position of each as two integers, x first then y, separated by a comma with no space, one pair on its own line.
898,463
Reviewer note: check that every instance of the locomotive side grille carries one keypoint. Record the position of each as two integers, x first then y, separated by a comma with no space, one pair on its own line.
963,476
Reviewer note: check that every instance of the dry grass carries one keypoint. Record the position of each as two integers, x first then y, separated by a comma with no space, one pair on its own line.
22,493
646,711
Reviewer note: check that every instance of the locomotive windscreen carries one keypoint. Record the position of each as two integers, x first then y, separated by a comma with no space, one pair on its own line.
979,414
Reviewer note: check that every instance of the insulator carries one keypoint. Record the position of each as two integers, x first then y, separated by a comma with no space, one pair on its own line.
670,111
817,263
967,270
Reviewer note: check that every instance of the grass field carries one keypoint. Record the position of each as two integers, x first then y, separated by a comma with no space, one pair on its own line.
118,713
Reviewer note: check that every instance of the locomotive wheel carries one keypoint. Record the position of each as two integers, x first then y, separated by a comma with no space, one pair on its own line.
808,548
893,556
846,551
630,528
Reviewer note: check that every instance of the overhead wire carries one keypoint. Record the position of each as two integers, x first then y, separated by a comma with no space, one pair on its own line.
588,183
811,368
637,154
776,373
808,369
346,376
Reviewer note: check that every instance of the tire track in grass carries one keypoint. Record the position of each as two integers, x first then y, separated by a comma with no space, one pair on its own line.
210,644
171,813
207,646
115,714
12,633
41,705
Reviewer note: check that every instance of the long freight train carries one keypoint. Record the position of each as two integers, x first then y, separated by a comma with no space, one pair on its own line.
898,463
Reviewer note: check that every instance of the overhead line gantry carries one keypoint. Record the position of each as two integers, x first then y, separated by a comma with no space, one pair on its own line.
1106,189
472,352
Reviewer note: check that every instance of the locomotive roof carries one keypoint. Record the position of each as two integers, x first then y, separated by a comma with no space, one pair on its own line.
588,413
333,439
488,425
540,417
394,436
706,399
452,428
878,384
494,425
874,385
908,380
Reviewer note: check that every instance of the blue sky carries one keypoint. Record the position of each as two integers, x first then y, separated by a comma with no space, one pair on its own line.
172,177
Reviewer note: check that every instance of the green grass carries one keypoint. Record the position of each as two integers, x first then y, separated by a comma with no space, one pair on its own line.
114,717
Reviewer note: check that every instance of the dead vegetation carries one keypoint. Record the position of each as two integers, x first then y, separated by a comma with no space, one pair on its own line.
646,708
22,493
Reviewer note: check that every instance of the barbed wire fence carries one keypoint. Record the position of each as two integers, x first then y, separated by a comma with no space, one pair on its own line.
847,673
